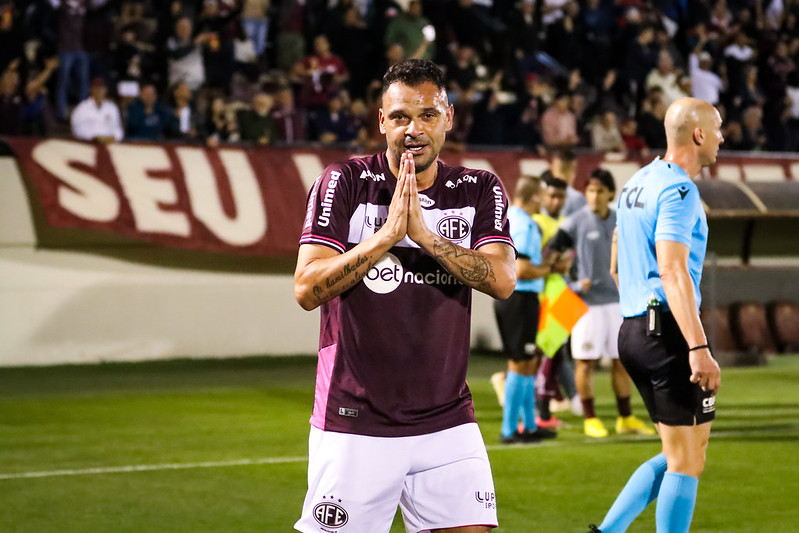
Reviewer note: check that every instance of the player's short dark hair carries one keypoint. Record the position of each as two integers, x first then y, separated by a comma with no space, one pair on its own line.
604,177
526,187
552,181
414,72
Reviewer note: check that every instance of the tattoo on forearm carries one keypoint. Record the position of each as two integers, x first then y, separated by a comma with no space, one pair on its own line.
346,278
472,266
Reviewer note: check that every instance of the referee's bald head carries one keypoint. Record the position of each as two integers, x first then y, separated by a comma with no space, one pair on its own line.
683,116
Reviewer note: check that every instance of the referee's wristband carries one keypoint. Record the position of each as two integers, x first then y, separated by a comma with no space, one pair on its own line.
700,347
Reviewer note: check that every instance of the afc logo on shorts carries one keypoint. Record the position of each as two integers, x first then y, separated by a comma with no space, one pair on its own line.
709,404
330,514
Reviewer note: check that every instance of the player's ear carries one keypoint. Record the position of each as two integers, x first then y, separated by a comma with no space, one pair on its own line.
698,136
380,118
450,116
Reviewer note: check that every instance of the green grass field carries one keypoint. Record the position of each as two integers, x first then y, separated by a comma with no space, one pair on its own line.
219,446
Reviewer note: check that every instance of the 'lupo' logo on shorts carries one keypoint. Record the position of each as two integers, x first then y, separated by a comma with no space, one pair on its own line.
330,514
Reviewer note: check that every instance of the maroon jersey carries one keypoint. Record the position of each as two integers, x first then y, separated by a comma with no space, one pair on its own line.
393,349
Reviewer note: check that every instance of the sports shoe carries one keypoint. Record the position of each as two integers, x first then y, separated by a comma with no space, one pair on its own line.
539,434
558,406
593,529
632,424
498,382
594,428
552,423
577,405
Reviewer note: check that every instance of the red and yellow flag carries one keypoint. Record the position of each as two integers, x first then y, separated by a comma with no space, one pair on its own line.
561,308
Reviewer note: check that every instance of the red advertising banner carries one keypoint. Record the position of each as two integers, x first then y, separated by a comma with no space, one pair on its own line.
243,200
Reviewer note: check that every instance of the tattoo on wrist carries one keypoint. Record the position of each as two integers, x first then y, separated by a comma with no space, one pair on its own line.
346,278
473,267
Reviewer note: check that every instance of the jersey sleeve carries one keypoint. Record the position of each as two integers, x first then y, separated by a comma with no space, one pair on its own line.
491,215
327,216
678,206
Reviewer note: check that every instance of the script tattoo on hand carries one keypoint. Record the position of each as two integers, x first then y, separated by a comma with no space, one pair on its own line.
470,265
347,277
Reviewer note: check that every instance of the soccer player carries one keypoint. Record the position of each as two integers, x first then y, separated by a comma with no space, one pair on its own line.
662,236
391,248
590,232
517,317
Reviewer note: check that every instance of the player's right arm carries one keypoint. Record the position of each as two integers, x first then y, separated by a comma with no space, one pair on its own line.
323,273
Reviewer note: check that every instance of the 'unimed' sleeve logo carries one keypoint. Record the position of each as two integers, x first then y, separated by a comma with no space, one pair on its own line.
499,207
327,199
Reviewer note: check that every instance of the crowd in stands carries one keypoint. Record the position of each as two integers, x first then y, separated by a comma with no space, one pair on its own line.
542,74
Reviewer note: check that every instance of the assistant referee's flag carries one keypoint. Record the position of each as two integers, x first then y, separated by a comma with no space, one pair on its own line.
561,308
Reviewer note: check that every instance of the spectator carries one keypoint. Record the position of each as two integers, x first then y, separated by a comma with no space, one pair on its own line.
605,134
289,121
218,125
564,166
408,29
665,77
291,34
598,25
564,35
738,55
256,124
35,109
633,143
218,25
72,57
131,59
255,19
793,113
11,101
705,84
320,74
355,44
754,138
558,124
650,120
185,125
185,55
524,25
11,34
148,119
613,94
532,104
96,118
640,60
334,125
462,73
747,95
244,55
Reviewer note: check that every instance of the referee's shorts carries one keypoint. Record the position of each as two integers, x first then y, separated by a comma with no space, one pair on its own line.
660,369
517,319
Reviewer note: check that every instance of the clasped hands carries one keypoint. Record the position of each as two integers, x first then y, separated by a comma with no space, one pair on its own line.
405,211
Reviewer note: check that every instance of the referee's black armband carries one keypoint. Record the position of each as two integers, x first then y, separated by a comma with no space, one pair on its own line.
700,347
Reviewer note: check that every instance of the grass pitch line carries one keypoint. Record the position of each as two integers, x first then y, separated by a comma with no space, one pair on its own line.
150,468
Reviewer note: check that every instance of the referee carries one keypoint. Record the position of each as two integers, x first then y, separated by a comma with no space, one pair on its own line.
662,236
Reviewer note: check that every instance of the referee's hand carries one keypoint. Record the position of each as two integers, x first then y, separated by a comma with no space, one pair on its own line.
705,370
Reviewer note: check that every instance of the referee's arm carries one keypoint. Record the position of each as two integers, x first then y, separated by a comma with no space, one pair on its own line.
672,260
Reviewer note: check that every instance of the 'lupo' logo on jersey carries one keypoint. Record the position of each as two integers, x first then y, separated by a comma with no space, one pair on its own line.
454,228
388,274
465,179
330,514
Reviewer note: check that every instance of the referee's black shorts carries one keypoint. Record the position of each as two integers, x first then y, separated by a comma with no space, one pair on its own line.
660,369
517,319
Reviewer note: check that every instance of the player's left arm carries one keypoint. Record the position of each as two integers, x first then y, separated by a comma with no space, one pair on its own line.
614,257
491,269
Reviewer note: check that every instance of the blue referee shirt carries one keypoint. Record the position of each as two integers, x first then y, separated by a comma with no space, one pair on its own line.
526,237
659,203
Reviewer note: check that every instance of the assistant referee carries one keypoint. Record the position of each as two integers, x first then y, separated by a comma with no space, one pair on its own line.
662,237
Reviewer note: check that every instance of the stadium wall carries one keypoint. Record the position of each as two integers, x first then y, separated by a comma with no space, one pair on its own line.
141,251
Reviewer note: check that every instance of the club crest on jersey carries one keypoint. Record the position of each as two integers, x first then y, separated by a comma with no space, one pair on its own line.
453,228
468,178
330,514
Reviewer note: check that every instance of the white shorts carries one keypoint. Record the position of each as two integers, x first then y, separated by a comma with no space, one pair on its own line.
596,334
355,482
